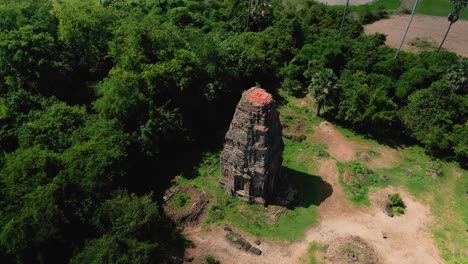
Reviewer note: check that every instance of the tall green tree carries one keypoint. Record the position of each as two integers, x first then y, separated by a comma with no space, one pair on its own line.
432,113
85,28
133,231
345,11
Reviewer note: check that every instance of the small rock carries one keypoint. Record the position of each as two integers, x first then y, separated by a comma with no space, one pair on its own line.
188,259
257,242
322,153
255,250
227,228
435,173
364,157
385,178
244,244
352,256
286,135
299,138
406,172
384,235
325,247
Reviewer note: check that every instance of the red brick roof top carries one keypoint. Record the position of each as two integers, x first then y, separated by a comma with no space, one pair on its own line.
261,128
258,96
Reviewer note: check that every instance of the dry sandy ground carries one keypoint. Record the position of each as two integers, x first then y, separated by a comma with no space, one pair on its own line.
429,28
408,240
343,2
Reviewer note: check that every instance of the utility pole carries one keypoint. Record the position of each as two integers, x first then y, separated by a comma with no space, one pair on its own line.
248,14
407,28
453,17
344,16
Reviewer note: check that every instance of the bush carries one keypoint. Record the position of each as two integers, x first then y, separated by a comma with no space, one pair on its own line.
211,260
397,204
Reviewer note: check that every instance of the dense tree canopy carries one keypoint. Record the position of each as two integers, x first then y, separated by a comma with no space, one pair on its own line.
102,101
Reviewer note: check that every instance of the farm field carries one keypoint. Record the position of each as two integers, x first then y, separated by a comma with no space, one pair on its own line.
426,33
426,7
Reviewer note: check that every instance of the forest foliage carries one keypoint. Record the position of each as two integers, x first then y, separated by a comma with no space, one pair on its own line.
98,99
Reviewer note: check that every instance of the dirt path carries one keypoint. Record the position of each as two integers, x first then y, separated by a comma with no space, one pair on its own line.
408,241
343,149
427,28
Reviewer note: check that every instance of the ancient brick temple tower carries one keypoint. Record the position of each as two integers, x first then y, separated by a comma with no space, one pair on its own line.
253,151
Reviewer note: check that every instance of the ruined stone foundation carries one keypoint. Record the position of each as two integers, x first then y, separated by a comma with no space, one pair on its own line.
253,150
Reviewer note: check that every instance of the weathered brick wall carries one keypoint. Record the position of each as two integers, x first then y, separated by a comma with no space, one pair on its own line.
253,150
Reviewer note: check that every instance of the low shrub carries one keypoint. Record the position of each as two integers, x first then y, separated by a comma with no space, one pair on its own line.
397,204
210,259
180,200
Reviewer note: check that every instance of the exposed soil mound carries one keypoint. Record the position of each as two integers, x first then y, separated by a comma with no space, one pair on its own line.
190,213
351,249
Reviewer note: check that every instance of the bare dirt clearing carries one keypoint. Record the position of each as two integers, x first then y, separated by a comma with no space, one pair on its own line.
408,240
427,28
343,149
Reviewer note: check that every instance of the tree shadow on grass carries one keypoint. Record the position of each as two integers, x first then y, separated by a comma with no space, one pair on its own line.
312,189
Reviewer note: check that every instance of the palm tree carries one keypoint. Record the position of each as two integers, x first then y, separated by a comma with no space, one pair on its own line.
407,28
323,84
453,17
344,16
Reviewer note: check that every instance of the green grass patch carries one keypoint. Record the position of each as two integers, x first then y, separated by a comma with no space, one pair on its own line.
414,171
180,200
315,254
423,44
377,5
356,179
439,8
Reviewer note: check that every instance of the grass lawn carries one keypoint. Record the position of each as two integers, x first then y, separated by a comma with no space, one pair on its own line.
377,4
439,8
315,254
